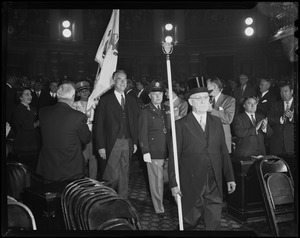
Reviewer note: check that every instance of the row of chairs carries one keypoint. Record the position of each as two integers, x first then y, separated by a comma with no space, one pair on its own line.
90,205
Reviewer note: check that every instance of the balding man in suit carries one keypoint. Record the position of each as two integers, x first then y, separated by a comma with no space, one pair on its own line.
63,130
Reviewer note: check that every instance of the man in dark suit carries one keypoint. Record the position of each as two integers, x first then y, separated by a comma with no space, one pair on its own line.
202,157
251,128
266,97
40,96
63,131
53,92
242,92
153,142
282,120
116,134
142,94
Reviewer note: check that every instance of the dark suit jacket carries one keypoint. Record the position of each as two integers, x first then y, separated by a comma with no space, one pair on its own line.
283,138
194,153
108,117
27,137
42,101
152,124
265,103
249,143
240,96
63,131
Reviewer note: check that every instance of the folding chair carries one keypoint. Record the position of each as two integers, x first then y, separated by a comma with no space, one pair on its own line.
277,187
19,176
19,216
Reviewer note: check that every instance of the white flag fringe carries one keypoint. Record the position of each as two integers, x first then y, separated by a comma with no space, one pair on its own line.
107,58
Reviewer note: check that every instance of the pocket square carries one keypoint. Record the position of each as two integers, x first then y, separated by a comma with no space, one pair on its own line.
264,101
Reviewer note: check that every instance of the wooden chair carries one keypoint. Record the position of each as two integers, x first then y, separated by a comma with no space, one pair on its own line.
277,187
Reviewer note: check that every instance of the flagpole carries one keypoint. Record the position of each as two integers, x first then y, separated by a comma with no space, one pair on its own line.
167,49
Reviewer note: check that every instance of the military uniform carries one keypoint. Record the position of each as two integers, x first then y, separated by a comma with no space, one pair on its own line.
153,139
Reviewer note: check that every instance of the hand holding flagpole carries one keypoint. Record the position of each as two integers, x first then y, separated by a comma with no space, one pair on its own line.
167,49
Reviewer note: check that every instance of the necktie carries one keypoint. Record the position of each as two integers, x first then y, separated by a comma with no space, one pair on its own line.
213,102
158,107
122,102
202,124
287,105
242,88
253,120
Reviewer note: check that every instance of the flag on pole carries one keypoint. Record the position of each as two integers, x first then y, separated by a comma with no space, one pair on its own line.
107,58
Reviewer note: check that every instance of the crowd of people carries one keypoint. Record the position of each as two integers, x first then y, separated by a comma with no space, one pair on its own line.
215,122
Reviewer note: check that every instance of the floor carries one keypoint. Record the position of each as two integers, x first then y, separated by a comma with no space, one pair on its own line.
150,221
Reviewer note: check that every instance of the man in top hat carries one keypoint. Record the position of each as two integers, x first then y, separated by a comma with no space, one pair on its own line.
83,92
202,158
153,142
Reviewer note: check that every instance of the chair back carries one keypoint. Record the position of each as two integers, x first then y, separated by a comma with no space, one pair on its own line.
277,186
19,215
19,176
90,205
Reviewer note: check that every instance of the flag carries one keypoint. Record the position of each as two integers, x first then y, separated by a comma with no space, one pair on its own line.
107,57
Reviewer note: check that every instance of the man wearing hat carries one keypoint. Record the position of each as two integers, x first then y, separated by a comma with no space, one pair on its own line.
202,158
83,92
153,142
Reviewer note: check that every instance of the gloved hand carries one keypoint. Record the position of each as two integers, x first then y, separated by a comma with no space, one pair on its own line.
147,158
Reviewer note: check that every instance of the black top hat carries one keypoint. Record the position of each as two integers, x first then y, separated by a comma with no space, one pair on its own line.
197,90
156,86
196,85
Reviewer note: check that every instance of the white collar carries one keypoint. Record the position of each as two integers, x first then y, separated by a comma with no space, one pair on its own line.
249,114
119,96
290,101
264,93
197,116
217,97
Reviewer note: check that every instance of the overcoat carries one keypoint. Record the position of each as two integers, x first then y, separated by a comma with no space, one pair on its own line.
195,149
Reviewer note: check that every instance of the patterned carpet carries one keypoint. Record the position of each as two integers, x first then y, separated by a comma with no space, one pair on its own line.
140,198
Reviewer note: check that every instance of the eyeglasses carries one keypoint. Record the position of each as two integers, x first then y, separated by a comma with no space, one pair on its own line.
205,98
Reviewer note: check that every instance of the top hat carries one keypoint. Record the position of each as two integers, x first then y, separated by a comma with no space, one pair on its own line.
196,85
82,85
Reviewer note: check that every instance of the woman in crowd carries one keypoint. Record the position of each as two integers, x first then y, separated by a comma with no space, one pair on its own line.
28,140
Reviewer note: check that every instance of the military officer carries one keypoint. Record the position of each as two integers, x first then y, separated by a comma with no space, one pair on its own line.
153,131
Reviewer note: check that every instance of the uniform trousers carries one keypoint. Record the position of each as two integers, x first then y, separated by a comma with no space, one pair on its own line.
208,207
116,172
156,183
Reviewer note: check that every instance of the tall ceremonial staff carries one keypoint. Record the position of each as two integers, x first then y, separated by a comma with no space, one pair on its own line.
168,49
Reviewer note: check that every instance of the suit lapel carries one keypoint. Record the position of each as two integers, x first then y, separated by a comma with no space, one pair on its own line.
195,129
211,127
220,100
